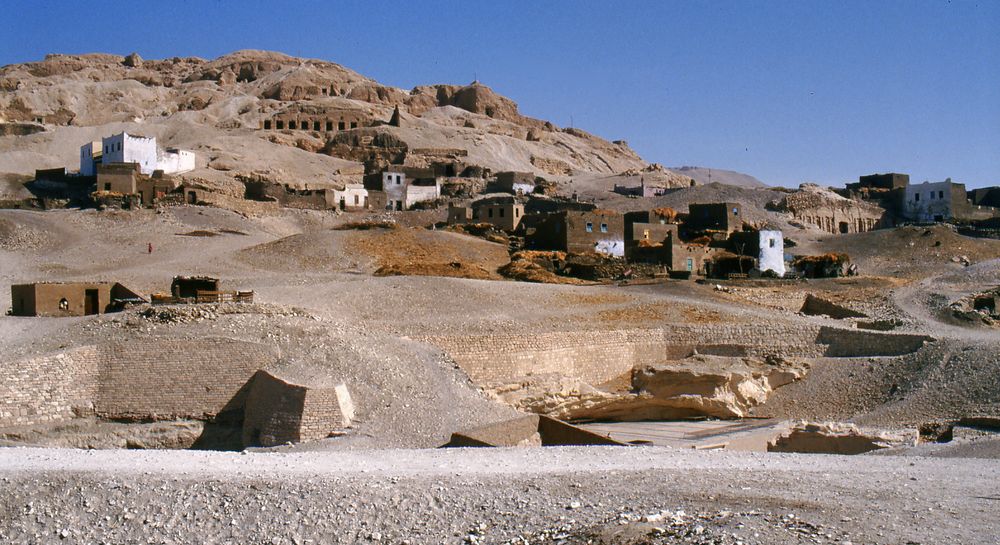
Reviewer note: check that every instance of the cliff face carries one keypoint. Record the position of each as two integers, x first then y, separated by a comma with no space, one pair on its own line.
218,108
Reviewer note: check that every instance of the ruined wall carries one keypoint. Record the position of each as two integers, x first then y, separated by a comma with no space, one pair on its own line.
177,378
49,388
279,411
850,343
600,356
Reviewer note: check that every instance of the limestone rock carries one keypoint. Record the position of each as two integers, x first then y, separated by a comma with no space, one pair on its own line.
713,386
836,438
133,61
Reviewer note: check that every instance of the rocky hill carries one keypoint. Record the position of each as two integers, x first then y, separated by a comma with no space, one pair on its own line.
704,175
233,111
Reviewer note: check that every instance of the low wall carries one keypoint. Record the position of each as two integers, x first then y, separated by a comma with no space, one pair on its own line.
49,388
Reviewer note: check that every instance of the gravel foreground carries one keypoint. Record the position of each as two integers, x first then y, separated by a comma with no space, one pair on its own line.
552,495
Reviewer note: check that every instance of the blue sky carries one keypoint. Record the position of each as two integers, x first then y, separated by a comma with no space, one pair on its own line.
785,91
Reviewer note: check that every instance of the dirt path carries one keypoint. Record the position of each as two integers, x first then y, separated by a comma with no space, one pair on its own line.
926,299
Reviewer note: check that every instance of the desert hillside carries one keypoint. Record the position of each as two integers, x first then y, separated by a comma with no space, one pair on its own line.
218,108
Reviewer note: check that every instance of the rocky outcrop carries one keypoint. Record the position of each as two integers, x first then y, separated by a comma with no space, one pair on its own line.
712,386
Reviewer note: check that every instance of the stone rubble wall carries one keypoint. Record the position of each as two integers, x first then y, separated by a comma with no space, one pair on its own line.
49,388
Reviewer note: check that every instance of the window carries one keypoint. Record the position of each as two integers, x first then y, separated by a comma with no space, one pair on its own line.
398,179
770,242
500,211
604,227
517,212
316,125
645,234
932,195
291,125
356,199
736,211
489,212
340,126
63,304
267,124
940,194
280,124
329,126
354,124
107,187
590,227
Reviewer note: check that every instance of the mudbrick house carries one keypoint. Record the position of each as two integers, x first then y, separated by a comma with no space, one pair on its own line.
70,298
600,231
504,213
719,217
646,232
522,183
127,179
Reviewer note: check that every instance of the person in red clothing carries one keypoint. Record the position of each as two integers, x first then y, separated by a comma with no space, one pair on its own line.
149,248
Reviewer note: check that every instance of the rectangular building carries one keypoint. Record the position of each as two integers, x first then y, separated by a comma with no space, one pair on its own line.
69,298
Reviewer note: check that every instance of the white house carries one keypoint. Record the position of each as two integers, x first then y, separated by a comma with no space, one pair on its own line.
929,202
403,191
772,252
173,161
352,197
131,148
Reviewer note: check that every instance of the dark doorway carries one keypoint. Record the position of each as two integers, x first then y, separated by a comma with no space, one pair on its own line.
91,302
192,197
844,228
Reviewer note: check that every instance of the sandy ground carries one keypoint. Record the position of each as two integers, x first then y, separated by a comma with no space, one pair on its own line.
555,495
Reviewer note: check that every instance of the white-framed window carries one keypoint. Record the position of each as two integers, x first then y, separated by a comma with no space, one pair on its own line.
604,227
590,227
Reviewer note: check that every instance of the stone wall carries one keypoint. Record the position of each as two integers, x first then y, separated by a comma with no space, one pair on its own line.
597,357
161,379
851,343
49,388
180,378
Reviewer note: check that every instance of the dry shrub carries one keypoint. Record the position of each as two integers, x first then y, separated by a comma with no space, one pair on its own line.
526,266
366,225
454,269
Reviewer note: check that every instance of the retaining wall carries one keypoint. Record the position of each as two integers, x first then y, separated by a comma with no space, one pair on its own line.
171,379
600,356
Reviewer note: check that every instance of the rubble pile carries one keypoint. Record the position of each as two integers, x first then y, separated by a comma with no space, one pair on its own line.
18,237
679,526
982,307
183,314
